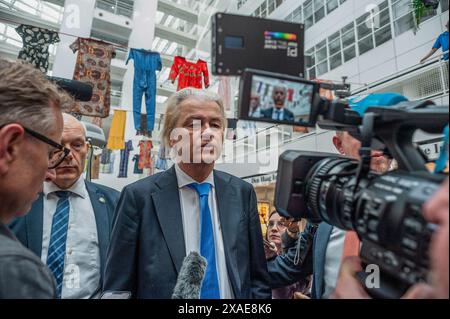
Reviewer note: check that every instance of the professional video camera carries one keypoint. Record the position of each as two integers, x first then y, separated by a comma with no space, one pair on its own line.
384,209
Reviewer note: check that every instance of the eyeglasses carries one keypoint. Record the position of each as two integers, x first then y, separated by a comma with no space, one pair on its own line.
280,224
55,156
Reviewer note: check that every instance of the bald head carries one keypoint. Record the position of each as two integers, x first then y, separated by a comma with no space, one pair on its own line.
279,96
71,123
74,139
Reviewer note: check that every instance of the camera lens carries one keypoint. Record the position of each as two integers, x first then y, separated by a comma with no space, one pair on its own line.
330,191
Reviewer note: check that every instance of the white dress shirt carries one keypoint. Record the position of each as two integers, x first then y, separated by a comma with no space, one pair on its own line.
190,211
82,261
333,260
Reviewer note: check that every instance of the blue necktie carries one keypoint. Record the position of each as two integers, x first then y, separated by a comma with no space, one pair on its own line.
280,115
210,287
57,246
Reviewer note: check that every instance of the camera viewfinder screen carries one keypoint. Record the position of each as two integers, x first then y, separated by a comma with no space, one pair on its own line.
280,100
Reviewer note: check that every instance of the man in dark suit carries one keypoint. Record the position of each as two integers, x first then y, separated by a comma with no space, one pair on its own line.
190,207
278,112
69,225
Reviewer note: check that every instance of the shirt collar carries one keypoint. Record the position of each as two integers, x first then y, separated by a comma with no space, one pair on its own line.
79,188
185,180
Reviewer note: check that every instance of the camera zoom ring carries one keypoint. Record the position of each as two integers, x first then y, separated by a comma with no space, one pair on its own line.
314,189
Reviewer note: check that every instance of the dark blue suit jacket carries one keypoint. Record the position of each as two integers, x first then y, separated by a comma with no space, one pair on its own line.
28,229
288,115
147,245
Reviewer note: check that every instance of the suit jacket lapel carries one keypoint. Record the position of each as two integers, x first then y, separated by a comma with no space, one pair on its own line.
35,224
168,210
101,218
320,250
229,221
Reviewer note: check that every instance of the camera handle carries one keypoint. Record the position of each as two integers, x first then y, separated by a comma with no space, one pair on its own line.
366,150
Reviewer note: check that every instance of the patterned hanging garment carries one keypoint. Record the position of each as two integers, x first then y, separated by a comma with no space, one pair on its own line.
36,42
94,67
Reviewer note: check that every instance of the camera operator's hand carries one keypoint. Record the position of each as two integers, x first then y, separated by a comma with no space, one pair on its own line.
347,285
436,210
420,291
270,249
292,227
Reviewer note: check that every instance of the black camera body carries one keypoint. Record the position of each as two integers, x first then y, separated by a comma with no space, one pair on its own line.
384,209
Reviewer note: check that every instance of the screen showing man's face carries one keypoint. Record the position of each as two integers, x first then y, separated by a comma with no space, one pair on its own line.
278,100
279,97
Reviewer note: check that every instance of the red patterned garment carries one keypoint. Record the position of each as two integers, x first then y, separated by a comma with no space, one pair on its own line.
189,74
145,157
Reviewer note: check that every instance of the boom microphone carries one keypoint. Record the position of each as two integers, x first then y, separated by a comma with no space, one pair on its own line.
191,277
79,90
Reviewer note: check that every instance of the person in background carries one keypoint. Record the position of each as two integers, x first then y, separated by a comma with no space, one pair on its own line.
441,42
255,106
279,239
31,125
69,225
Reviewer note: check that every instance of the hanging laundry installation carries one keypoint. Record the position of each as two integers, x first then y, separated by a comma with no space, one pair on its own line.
36,42
94,67
146,63
189,74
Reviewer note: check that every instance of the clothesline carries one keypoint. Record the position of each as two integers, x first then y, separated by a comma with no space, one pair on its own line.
115,45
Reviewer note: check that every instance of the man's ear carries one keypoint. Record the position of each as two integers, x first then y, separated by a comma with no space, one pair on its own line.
338,144
11,136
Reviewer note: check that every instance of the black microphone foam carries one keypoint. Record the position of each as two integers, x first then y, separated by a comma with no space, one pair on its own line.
190,278
79,90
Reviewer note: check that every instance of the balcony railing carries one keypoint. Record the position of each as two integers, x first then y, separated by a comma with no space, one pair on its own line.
419,82
118,7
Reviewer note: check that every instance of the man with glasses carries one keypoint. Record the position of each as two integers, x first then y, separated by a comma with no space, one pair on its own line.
69,225
30,128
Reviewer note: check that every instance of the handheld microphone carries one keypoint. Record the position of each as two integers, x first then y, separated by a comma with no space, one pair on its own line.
79,90
191,277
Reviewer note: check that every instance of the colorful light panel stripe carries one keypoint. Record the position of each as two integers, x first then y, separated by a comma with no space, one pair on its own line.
281,35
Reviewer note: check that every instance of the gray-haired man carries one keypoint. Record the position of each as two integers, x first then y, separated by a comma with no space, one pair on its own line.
190,207
30,131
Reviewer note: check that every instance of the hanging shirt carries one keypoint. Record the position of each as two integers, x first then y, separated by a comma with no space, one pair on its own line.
36,42
224,92
189,74
116,138
109,167
106,156
94,67
95,167
161,161
137,170
145,158
124,157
